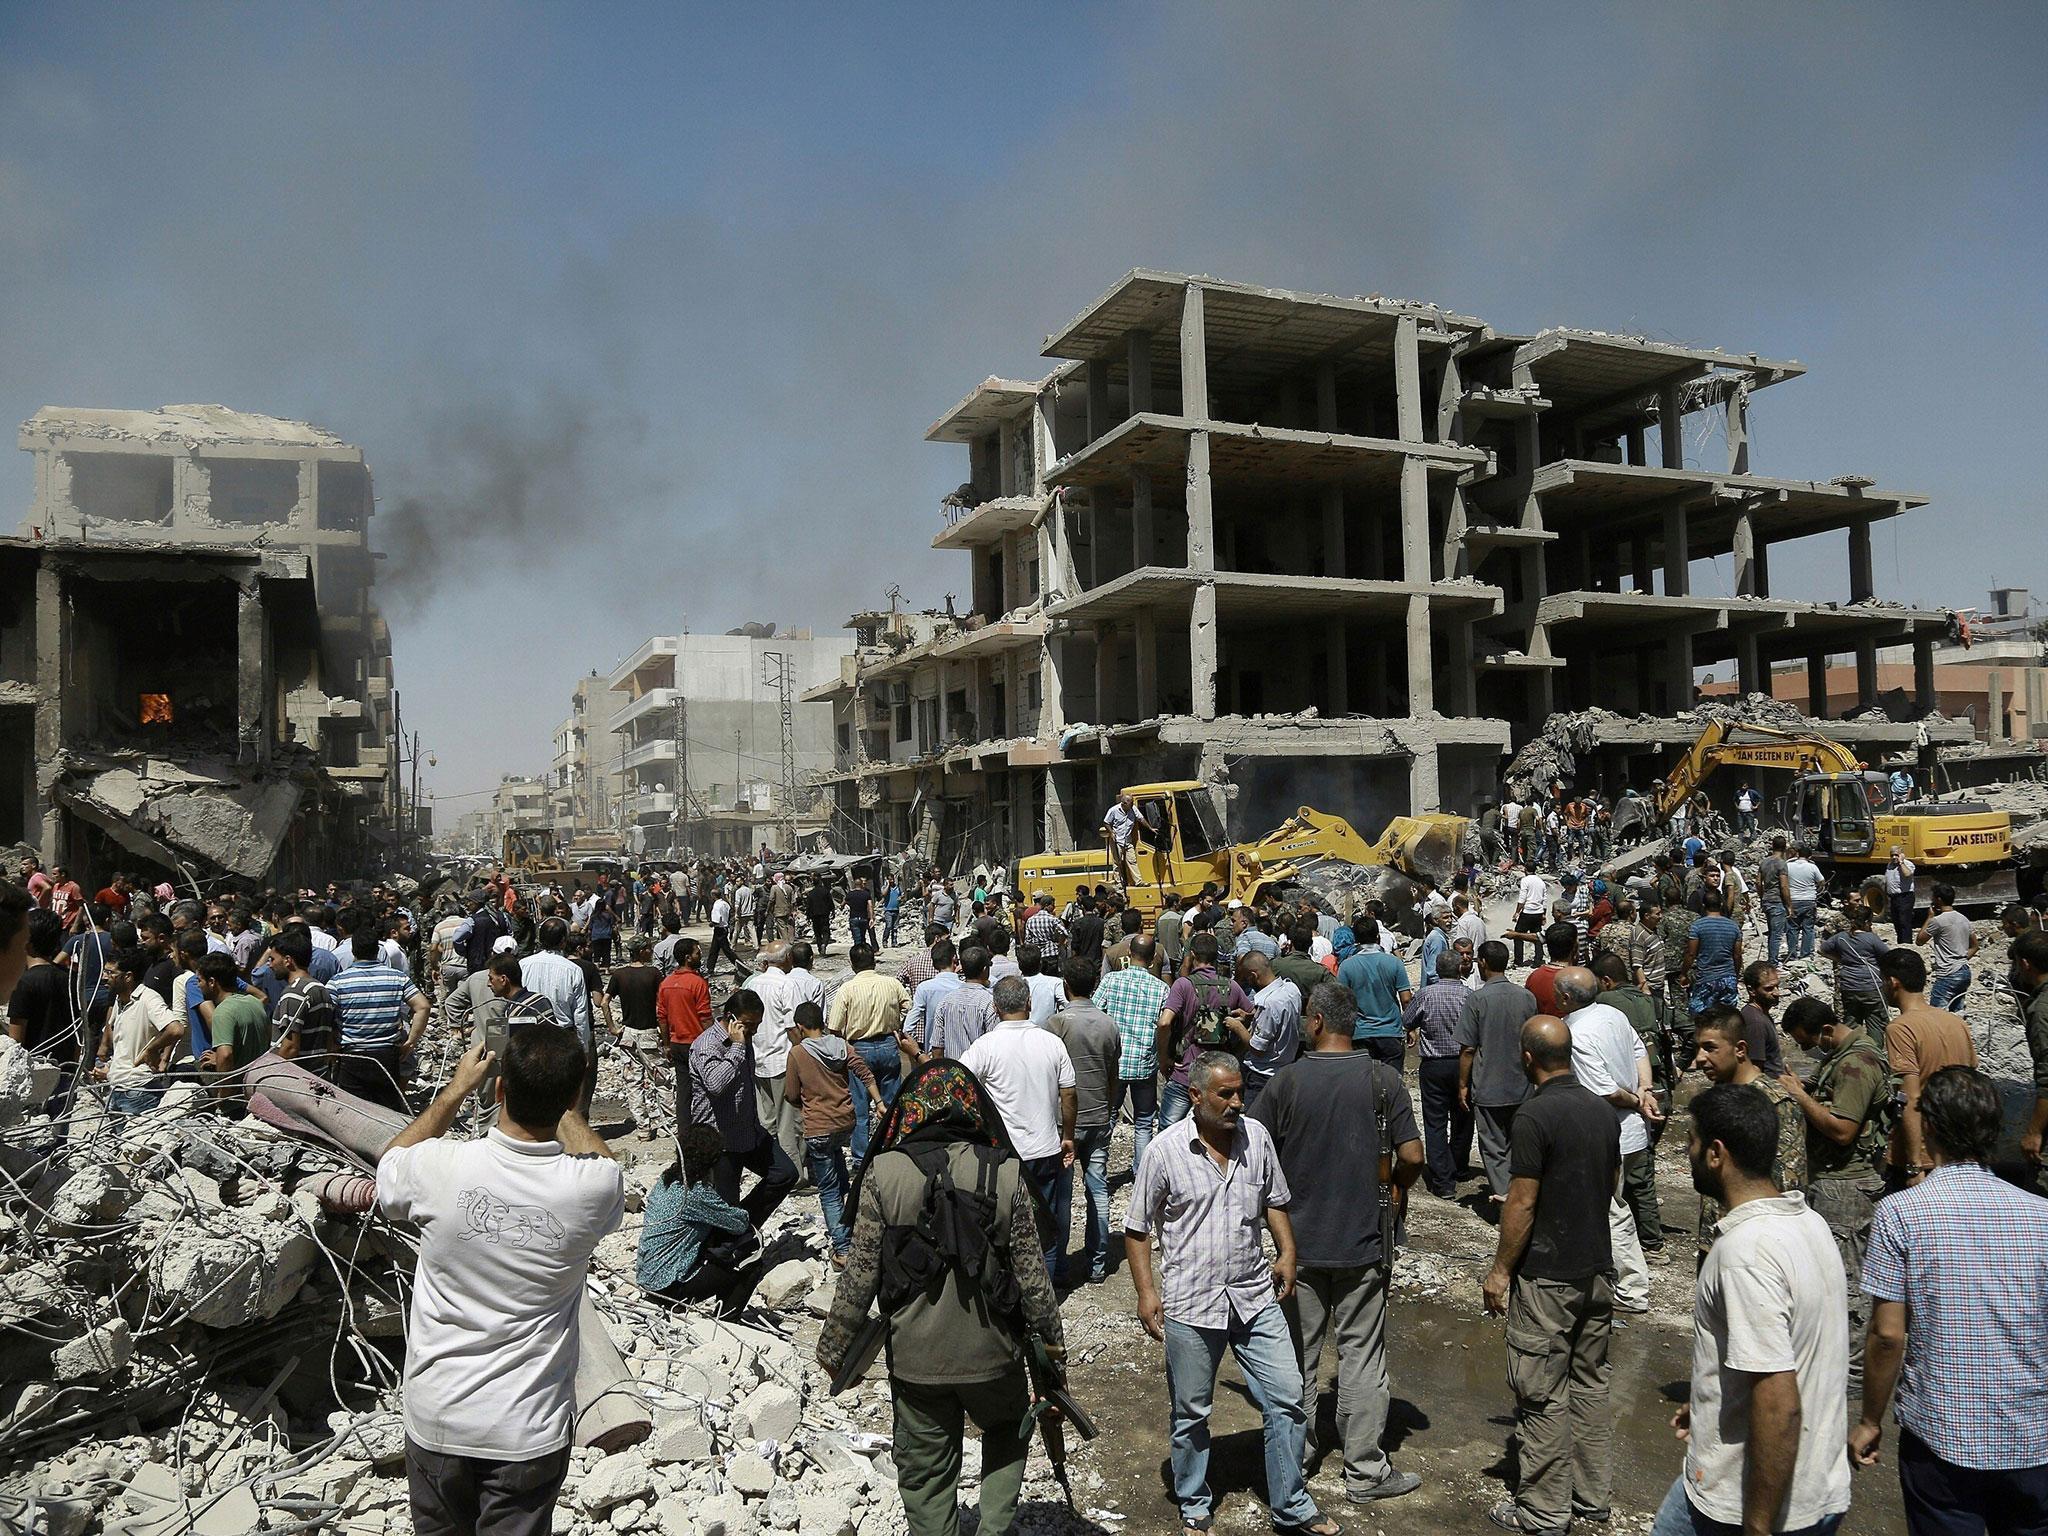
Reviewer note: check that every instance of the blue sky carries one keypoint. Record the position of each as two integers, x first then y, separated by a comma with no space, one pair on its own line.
676,291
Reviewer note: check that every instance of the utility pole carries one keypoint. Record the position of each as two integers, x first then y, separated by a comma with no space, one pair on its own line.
738,783
682,812
778,671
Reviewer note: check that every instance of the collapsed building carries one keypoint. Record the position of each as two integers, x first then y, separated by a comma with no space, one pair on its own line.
194,675
1343,550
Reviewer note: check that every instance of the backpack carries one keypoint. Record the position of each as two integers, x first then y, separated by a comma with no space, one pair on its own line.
959,1231
1205,1027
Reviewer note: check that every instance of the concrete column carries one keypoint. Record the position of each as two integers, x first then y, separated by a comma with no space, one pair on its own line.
1760,563
1202,650
1201,512
1670,425
1737,408
1105,676
1421,658
1425,781
1335,562
1138,358
1407,380
1678,669
1006,457
1414,521
1336,646
52,674
1067,572
1745,542
1677,549
1142,546
945,715
1044,449
1098,398
1052,711
1638,449
1749,671
1452,561
1817,685
1639,562
1862,584
1460,688
1326,397
252,675
1924,695
1145,637
1866,673
1059,837
1194,356
1450,397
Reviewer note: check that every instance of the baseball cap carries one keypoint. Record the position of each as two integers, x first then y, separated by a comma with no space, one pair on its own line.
504,944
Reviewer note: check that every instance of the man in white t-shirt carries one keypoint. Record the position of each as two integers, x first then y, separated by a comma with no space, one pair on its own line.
1609,1059
507,1224
1803,883
1766,1430
1532,904
1030,1080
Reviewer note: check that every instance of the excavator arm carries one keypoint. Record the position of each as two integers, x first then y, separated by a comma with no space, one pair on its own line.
1722,745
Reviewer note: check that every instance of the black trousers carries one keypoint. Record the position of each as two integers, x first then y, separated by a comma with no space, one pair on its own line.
1943,1499
468,1496
778,1177
731,1287
1446,1128
371,1075
721,944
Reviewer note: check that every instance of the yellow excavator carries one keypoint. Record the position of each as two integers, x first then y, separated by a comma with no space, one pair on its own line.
1845,810
1181,847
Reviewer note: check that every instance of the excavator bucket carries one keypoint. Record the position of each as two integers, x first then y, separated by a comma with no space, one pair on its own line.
1423,845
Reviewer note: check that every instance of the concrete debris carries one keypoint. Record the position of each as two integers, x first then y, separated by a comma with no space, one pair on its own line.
786,1284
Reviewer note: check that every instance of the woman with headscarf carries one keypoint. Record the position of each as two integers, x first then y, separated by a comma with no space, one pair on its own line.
945,1233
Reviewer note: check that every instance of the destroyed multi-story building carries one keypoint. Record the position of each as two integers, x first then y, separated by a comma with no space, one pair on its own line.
1340,550
197,676
697,726
584,780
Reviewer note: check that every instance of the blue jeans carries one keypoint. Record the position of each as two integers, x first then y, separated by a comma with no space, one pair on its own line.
886,1062
1265,1354
1802,930
134,1101
1780,927
860,932
1174,1104
1143,1093
1047,1179
826,1158
1091,1161
1947,991
1677,1517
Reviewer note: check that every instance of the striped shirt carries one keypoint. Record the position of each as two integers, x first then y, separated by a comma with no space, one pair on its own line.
1968,1255
372,1004
1133,998
1209,1222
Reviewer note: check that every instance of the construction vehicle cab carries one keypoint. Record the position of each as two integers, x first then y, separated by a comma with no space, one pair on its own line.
1847,814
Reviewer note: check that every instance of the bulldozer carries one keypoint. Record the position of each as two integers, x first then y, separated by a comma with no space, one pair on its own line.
1181,847
1846,812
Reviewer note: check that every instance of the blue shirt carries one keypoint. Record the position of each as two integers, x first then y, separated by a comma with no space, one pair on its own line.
323,965
1434,943
1376,980
1717,938
1968,1255
372,1004
1694,847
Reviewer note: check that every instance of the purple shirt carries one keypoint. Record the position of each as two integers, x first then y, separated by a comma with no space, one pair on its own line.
1180,997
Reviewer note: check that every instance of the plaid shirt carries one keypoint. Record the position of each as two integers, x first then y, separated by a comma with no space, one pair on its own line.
1968,1255
1434,1014
1133,998
1046,933
1209,1222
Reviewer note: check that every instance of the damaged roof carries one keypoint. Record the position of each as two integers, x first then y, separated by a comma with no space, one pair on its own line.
193,426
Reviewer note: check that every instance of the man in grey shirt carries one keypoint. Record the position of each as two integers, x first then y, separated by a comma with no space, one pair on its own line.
1095,1046
1776,896
1491,1083
967,1012
1952,943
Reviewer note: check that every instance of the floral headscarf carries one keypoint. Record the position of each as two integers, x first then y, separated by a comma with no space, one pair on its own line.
940,1101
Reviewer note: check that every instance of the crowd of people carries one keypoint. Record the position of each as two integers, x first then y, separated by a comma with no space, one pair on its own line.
1855,1256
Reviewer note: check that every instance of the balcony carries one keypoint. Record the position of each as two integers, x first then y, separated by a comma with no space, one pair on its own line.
661,749
989,521
653,702
651,806
657,648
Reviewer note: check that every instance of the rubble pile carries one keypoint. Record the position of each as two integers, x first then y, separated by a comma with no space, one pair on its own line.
202,1328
